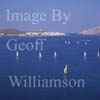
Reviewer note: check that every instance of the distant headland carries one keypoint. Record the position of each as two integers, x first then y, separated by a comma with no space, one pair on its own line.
91,31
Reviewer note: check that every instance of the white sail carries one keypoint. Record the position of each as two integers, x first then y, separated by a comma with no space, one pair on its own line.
40,55
17,53
85,54
55,54
65,70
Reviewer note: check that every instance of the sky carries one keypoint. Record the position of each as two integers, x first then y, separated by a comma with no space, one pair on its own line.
84,14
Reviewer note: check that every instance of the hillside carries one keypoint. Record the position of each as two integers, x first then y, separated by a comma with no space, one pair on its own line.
91,31
10,31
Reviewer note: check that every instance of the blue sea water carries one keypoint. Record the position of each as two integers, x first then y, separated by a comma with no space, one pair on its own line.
71,54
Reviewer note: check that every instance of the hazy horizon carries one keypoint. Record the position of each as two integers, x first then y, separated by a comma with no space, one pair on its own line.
84,14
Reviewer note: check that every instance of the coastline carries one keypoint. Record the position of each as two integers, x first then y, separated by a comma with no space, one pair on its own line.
14,32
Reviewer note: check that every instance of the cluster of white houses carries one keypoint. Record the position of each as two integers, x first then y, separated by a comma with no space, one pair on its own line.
45,34
34,34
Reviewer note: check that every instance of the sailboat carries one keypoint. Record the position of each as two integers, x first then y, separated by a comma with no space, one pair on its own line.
85,54
55,54
17,54
40,55
65,70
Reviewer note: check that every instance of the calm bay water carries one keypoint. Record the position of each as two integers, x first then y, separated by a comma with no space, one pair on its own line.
29,63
